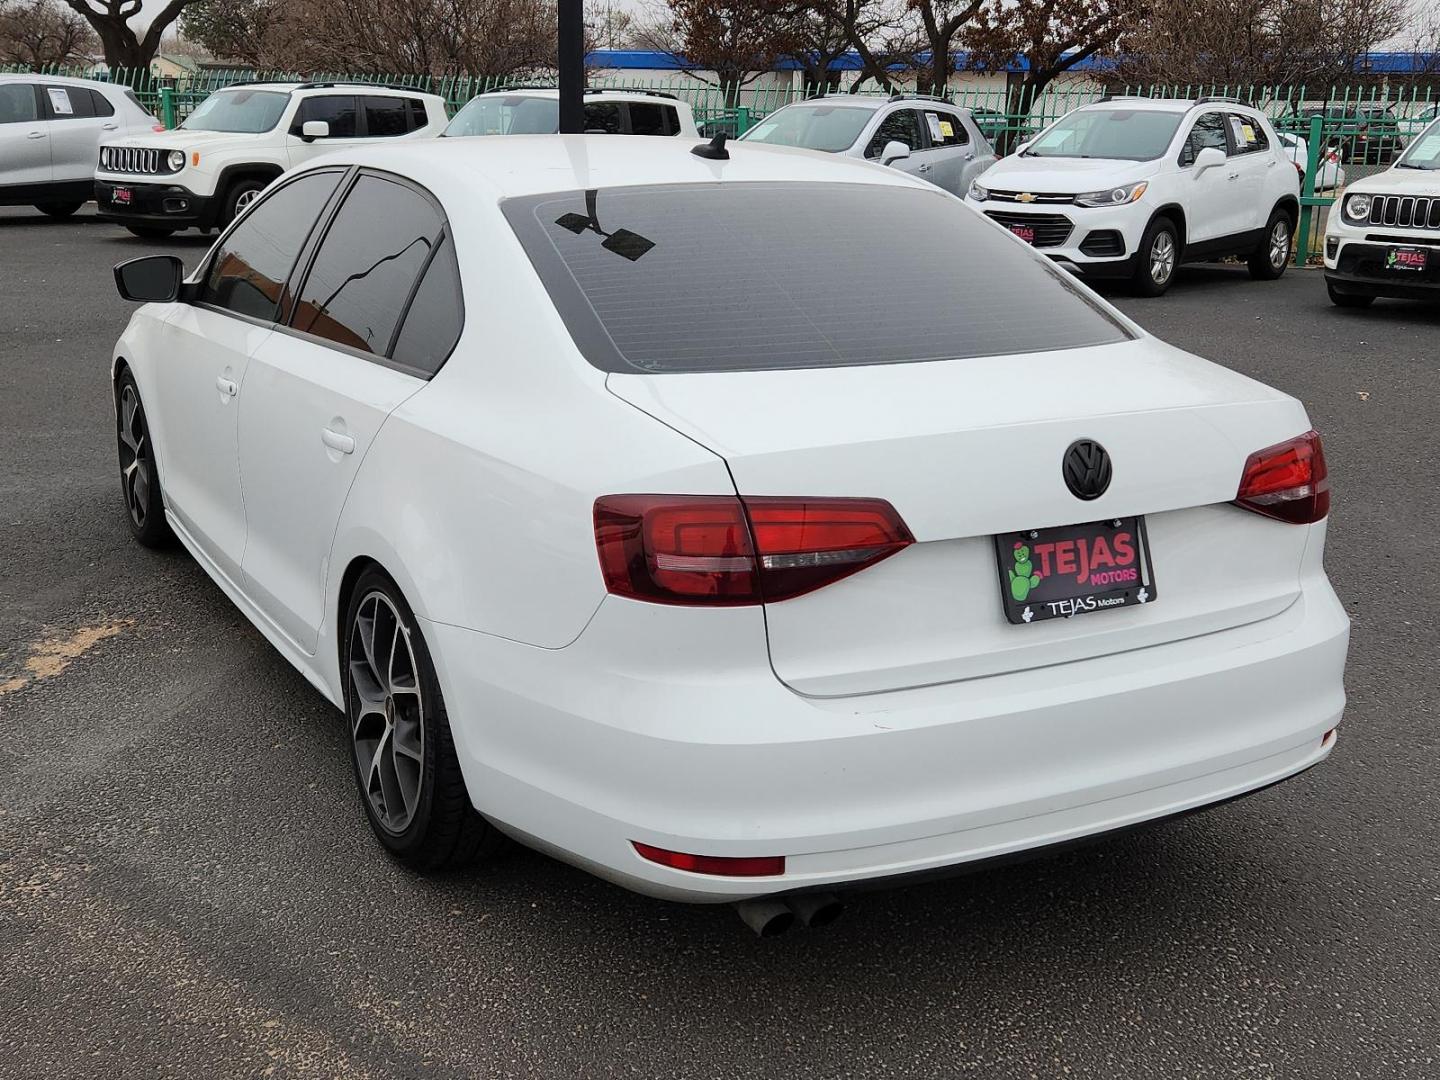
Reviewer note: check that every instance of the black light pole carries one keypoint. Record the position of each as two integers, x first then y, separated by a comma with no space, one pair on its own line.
572,66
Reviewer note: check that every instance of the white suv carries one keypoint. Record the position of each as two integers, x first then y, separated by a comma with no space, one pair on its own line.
535,110
212,167
1132,187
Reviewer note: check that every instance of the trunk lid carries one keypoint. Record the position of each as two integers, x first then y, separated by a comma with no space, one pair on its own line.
970,448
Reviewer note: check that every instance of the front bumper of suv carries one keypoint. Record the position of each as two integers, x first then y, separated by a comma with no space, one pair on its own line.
156,205
1356,260
1097,242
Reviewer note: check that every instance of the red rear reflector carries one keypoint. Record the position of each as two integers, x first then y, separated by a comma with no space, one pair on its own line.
719,865
719,549
1288,481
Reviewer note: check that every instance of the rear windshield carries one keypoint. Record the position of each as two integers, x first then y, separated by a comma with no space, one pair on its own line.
755,276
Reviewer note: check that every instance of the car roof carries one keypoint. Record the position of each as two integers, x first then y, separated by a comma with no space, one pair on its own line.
1155,104
552,93
520,165
875,101
349,87
59,80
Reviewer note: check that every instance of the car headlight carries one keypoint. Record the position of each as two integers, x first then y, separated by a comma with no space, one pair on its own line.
978,193
1116,196
1356,208
177,160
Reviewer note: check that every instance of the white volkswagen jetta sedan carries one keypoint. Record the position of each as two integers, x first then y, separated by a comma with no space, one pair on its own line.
624,513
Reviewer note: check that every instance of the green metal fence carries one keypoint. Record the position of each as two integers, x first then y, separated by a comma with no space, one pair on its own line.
1358,130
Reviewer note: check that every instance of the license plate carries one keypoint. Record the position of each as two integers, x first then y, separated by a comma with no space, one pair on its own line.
120,195
1407,258
1024,232
1074,569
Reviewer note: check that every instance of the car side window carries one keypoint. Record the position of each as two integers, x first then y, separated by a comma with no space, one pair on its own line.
418,118
602,116
902,125
365,269
17,103
1209,130
252,264
1247,134
386,117
68,103
649,119
437,313
101,104
946,129
337,110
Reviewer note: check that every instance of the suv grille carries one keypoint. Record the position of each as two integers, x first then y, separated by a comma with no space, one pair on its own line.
1405,211
1051,230
133,159
1035,196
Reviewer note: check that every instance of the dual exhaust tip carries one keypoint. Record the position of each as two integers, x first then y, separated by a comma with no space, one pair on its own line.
771,916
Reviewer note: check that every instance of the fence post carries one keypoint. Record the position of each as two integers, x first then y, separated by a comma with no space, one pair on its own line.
1307,190
742,120
167,106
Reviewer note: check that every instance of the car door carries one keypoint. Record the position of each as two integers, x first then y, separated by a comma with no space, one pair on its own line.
318,392
24,136
900,125
204,356
951,151
1206,195
1251,167
340,111
74,131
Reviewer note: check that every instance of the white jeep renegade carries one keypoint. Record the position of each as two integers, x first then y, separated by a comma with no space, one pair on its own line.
210,168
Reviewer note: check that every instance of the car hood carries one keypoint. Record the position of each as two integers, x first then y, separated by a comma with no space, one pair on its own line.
180,139
1069,176
1400,181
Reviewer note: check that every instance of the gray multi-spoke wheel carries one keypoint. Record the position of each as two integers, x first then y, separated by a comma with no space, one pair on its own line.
1269,260
1157,257
1162,258
139,482
388,727
401,746
241,194
245,198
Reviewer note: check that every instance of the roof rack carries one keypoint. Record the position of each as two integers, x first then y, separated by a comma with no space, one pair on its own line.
1223,100
902,96
370,85
628,90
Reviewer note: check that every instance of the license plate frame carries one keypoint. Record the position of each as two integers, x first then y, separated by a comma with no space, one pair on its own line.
1407,259
1065,586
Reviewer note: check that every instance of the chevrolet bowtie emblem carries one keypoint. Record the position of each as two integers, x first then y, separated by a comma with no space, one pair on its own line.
1025,196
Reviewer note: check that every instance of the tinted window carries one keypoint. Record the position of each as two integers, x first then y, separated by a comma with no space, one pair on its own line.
337,111
386,117
648,119
1247,134
815,127
902,125
418,117
362,275
17,103
68,103
432,325
793,275
252,264
243,111
101,104
945,129
1209,130
599,116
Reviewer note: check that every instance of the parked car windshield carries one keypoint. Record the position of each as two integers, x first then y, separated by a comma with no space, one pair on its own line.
749,276
1123,134
1423,151
814,127
245,111
514,114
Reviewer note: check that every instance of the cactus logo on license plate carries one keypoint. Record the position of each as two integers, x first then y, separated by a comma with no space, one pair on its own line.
1074,569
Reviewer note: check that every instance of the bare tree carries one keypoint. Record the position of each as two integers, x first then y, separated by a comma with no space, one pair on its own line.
942,21
738,40
123,45
37,34
886,37
1052,36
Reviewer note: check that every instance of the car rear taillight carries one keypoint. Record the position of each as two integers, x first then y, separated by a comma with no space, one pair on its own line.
719,865
1287,481
722,550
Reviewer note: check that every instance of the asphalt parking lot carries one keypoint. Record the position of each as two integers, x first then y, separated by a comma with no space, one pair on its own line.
188,886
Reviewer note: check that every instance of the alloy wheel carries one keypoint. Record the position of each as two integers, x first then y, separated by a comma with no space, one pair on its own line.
1280,245
1162,258
387,713
136,467
244,199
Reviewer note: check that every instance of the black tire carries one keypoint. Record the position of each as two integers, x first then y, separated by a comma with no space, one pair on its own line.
149,232
1268,261
240,191
1153,272
139,480
1348,299
416,802
58,210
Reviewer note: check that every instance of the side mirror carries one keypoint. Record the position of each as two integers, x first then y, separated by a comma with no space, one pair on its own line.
1209,158
894,151
152,279
315,129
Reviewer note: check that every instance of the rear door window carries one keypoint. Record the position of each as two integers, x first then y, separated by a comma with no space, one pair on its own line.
339,111
945,129
600,116
650,119
1247,134
386,117
793,275
432,324
17,103
68,103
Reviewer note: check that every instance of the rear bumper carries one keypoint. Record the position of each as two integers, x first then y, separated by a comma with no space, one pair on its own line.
674,732
167,206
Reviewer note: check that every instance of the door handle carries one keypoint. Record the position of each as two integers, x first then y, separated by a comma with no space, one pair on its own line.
924,168
1233,176
336,441
110,127
36,135
228,387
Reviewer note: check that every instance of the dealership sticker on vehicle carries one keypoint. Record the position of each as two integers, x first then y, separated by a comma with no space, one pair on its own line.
120,195
1074,569
1024,232
1406,258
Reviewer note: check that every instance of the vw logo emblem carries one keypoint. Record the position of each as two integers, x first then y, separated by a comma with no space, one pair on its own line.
1086,468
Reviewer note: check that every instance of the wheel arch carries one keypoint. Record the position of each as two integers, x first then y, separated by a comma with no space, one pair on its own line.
364,550
1291,206
1176,215
265,171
